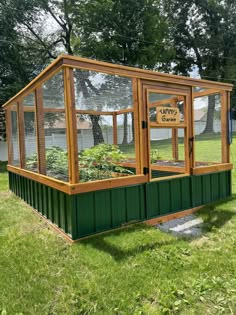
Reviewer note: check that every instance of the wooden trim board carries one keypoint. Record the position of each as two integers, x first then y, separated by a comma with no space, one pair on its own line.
172,216
71,189
151,222
89,64
212,168
71,126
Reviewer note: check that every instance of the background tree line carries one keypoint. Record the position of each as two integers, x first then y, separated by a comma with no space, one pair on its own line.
166,35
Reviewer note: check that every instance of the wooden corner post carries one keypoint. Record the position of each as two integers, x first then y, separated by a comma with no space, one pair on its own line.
9,135
224,126
71,125
21,132
136,124
39,118
191,133
115,137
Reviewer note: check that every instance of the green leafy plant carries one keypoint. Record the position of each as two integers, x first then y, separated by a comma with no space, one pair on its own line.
56,162
101,162
154,155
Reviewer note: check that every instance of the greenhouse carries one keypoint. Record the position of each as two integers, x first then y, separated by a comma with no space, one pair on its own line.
94,146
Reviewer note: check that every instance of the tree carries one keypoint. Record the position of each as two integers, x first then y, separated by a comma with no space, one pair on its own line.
20,59
132,33
203,35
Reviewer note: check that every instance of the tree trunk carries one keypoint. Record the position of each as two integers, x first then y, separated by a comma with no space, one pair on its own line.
97,130
210,115
125,137
132,128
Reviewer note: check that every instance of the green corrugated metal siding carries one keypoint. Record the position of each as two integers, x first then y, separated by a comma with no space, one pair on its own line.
196,185
51,203
173,195
89,213
157,174
106,209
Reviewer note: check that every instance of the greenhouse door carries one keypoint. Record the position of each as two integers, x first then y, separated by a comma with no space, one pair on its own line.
168,121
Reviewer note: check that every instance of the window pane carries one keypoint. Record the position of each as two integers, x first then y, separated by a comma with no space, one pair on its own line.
55,128
105,136
166,108
14,143
53,92
167,150
102,92
104,150
31,155
207,128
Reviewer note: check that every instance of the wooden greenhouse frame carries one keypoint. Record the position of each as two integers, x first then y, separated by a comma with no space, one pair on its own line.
82,209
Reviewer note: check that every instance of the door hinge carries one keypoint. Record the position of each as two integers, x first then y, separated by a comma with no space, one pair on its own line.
145,170
144,124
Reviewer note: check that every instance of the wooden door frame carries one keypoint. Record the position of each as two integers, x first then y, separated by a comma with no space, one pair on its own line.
167,88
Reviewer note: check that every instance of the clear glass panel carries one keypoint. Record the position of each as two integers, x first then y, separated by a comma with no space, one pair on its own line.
14,145
102,92
167,149
31,156
55,128
56,146
166,108
53,92
104,148
199,89
105,136
29,100
126,136
207,129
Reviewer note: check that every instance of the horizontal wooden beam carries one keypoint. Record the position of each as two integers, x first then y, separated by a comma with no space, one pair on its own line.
170,125
93,112
62,110
100,66
80,187
212,169
127,164
46,180
107,183
172,100
124,111
174,169
168,177
172,216
206,92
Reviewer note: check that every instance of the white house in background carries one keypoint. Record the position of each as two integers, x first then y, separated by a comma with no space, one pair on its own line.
59,126
3,151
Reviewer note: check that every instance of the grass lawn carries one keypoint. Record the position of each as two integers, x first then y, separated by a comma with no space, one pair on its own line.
164,148
137,270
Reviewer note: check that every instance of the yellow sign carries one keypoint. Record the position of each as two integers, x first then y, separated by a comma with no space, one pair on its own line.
168,115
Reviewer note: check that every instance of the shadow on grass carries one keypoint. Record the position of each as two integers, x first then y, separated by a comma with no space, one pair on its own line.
213,218
119,252
3,167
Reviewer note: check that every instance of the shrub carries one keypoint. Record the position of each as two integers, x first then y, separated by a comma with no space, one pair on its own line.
154,155
98,162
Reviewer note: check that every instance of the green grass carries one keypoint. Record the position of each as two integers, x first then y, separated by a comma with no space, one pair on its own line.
202,145
137,270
